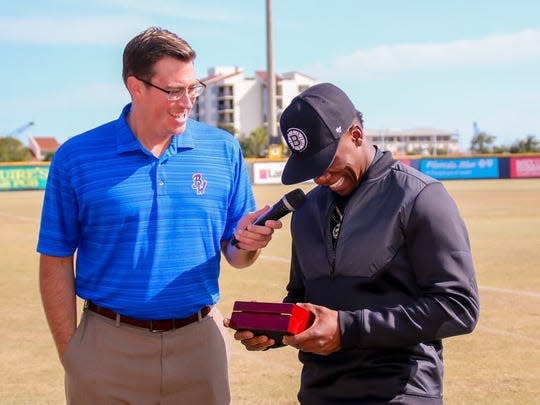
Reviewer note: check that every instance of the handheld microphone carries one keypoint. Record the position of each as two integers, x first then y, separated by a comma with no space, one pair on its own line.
288,203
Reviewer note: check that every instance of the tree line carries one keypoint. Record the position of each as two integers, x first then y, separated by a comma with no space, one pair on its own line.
12,150
256,145
484,143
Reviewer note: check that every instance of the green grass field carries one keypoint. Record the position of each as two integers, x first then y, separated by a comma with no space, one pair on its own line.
499,363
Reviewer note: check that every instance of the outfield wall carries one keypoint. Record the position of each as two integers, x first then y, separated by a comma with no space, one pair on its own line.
443,168
23,176
33,176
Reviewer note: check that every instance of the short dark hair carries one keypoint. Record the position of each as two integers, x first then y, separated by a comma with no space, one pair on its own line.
147,48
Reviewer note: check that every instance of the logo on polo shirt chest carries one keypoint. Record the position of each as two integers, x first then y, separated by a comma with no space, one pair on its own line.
296,139
199,183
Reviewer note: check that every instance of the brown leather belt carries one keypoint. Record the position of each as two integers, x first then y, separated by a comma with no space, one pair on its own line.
160,325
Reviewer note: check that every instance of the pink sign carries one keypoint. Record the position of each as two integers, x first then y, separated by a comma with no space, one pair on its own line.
405,161
525,167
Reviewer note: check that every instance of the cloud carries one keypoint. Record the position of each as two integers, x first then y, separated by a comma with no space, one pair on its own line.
211,11
511,48
113,23
64,112
97,30
72,111
65,99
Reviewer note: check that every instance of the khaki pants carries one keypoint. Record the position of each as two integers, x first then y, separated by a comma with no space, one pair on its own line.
109,364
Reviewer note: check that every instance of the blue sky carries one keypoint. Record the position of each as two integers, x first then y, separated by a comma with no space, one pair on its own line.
404,64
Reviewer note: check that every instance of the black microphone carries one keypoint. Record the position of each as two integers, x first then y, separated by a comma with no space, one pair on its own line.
289,202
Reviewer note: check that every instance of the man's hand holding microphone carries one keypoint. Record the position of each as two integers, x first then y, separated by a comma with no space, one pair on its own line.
253,229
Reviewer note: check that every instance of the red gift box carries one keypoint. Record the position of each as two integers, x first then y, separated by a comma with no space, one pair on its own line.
270,319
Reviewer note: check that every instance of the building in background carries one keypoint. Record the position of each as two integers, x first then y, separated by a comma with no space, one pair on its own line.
415,141
238,103
43,147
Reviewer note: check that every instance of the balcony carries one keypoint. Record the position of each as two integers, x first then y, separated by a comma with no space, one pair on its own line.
225,92
225,106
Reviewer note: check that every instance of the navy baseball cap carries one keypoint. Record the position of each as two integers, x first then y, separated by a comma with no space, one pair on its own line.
312,126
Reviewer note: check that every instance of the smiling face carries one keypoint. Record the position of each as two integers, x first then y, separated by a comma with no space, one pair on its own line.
350,162
168,117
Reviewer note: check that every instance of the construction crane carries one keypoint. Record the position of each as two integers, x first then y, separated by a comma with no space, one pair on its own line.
20,130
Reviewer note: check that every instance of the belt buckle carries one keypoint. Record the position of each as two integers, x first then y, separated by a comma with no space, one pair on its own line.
151,328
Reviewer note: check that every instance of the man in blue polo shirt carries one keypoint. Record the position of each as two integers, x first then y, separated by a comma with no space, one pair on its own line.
148,203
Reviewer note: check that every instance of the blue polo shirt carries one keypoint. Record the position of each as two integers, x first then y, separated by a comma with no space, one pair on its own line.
146,230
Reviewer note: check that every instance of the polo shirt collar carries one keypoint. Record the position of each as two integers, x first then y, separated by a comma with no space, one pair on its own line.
126,141
185,139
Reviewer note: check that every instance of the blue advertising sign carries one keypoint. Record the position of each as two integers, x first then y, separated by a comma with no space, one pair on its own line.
470,168
23,177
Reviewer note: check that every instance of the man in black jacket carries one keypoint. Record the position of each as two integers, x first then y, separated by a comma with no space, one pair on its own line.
380,256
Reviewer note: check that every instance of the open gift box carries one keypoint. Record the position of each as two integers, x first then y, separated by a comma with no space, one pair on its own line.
270,319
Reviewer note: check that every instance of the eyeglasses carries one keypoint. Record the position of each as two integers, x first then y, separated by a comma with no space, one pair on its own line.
193,91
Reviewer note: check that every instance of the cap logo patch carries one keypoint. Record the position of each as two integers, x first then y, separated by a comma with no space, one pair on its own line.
338,129
296,139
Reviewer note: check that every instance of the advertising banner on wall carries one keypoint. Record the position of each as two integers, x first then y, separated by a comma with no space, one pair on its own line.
23,177
270,172
469,168
522,167
407,162
267,172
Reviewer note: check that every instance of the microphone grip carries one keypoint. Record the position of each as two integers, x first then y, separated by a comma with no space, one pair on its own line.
234,241
277,211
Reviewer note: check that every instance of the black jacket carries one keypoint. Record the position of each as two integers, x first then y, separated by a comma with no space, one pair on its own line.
401,277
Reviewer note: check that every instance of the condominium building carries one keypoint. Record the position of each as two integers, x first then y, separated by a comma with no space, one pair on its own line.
421,141
238,103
